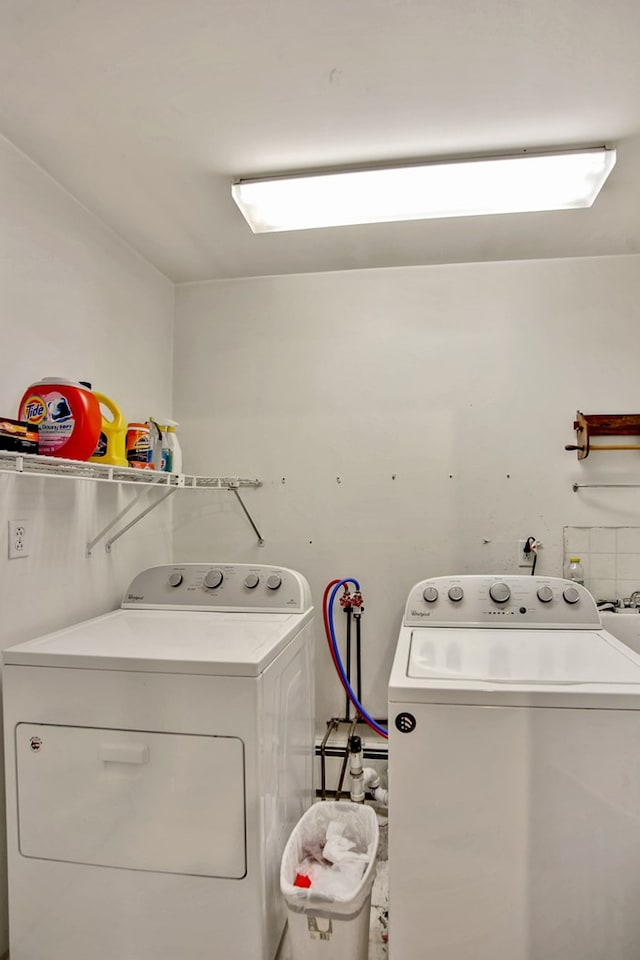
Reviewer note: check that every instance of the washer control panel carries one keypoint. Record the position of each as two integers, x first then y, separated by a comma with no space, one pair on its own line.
501,601
219,586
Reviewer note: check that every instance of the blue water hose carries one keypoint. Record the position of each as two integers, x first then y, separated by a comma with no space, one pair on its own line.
361,710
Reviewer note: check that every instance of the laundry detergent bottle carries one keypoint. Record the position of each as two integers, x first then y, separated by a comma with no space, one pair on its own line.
67,415
111,447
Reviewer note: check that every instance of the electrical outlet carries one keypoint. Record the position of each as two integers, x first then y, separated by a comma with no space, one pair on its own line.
18,539
524,559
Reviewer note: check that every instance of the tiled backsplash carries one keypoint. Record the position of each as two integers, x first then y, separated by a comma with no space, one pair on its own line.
610,558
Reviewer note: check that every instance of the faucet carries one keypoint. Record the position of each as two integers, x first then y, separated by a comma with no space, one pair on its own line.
634,599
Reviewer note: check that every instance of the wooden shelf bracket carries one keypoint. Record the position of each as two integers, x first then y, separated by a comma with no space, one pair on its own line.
589,425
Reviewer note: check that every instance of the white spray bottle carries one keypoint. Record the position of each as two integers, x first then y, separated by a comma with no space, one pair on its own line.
171,450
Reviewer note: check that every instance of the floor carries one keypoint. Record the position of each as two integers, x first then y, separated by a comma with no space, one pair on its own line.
379,913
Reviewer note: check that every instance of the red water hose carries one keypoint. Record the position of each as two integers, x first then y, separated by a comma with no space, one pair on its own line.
327,631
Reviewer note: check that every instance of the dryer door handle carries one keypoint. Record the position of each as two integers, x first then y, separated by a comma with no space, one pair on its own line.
123,752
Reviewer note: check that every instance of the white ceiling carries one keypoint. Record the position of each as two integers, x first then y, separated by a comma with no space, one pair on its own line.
146,110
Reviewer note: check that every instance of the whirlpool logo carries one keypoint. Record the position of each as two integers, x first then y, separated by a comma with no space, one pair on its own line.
420,613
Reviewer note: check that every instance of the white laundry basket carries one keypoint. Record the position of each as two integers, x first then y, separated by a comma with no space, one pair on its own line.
323,927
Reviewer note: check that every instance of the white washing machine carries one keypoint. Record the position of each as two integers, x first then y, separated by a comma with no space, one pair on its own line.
157,759
514,775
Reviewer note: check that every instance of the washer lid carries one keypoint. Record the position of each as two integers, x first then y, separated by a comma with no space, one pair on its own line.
167,641
530,657
553,668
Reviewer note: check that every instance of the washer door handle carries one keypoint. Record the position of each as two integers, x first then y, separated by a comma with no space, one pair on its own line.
124,752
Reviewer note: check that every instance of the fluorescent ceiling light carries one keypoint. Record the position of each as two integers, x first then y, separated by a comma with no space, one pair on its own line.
456,188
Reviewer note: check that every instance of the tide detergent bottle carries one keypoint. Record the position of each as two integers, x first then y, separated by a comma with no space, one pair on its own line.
71,424
67,415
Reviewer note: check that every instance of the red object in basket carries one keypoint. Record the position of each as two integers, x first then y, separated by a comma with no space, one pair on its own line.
302,880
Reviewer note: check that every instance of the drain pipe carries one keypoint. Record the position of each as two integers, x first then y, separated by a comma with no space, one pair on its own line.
372,784
363,779
355,770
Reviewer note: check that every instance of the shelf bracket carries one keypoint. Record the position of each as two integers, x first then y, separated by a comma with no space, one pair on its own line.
116,520
589,425
233,487
30,464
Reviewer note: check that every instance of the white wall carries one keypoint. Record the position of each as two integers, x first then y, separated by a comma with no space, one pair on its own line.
74,302
441,397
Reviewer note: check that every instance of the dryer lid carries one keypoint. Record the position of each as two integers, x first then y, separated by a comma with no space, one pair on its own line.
166,641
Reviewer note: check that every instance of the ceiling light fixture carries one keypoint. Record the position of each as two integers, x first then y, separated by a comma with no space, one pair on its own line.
455,188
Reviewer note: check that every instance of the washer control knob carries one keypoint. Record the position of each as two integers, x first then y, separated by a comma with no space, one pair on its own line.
274,582
499,592
455,593
571,594
213,579
430,594
251,581
175,579
545,594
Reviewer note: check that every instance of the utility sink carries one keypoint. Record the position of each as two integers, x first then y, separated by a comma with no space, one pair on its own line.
623,623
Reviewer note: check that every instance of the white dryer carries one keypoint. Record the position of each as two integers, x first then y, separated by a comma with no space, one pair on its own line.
514,774
157,759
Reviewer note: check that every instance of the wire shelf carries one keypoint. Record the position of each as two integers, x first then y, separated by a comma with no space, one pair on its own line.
30,463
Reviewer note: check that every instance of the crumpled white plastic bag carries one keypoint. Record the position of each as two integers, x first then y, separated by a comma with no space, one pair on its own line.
351,831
